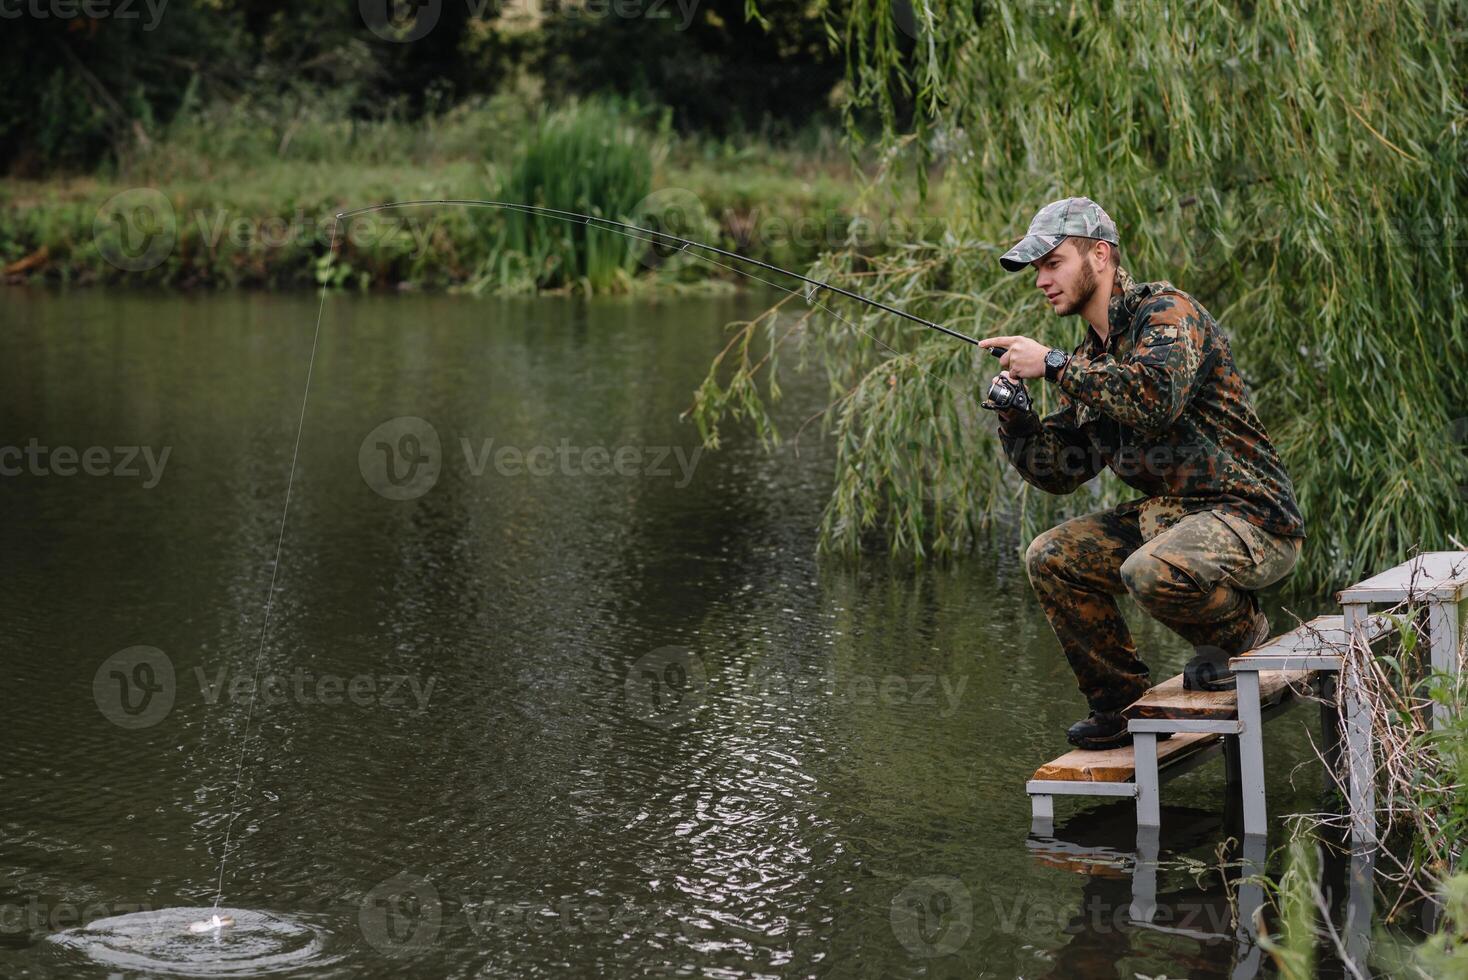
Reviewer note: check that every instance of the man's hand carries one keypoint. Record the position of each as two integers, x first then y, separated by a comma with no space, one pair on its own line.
1025,358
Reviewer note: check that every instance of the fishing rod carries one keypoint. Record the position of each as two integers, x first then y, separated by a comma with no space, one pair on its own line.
575,217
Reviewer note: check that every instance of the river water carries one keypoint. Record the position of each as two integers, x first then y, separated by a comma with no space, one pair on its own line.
546,691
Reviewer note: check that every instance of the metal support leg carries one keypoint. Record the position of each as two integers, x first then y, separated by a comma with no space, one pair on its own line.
1042,814
1149,803
1249,955
1360,897
1359,756
1443,626
1144,875
1251,753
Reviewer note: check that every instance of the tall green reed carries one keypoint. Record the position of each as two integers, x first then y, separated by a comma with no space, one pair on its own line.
589,158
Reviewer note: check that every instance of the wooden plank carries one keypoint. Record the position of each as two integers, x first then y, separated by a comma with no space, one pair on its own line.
1119,765
1434,574
1171,700
1323,634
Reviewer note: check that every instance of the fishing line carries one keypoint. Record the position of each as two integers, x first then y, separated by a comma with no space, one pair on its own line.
217,922
617,227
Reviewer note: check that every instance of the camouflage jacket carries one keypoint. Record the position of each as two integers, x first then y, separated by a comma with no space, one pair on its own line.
1160,403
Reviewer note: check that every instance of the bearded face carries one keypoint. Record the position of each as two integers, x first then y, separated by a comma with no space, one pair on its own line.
1067,278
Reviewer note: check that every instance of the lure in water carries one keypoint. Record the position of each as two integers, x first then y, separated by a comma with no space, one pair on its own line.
214,924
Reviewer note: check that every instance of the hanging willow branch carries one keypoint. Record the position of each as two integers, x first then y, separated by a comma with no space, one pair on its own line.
1320,151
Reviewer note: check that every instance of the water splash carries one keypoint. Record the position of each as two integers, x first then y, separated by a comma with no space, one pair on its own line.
165,941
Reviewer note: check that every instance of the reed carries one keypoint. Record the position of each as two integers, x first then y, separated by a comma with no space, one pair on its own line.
588,158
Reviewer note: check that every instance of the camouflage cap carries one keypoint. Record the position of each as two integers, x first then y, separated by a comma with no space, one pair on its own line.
1054,223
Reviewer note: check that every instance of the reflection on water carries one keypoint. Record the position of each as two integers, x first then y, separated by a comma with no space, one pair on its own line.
546,690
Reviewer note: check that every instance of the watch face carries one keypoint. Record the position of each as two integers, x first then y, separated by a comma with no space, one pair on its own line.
1055,358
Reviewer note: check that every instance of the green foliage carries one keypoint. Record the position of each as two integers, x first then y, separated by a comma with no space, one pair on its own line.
1307,187
586,158
717,69
78,90
256,164
1296,897
1444,955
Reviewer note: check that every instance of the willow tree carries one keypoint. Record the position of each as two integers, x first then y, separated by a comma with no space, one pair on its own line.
1298,167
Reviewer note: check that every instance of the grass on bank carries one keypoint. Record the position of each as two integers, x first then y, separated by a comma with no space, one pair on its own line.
253,191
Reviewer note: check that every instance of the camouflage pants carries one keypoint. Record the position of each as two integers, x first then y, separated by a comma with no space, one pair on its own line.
1196,574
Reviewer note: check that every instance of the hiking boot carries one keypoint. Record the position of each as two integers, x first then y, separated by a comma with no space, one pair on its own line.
1209,670
1101,730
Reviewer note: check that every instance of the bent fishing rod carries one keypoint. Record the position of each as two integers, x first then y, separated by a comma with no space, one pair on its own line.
575,217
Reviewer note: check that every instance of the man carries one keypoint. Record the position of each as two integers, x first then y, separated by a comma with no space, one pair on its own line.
1152,393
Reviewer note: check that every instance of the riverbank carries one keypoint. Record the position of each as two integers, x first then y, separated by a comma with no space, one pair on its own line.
226,202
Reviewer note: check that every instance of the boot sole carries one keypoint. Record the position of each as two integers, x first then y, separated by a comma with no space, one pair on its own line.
1112,742
1098,745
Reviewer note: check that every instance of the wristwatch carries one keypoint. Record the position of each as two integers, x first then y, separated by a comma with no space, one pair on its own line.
1055,359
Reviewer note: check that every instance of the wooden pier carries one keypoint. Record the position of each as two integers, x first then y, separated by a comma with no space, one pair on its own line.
1283,671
